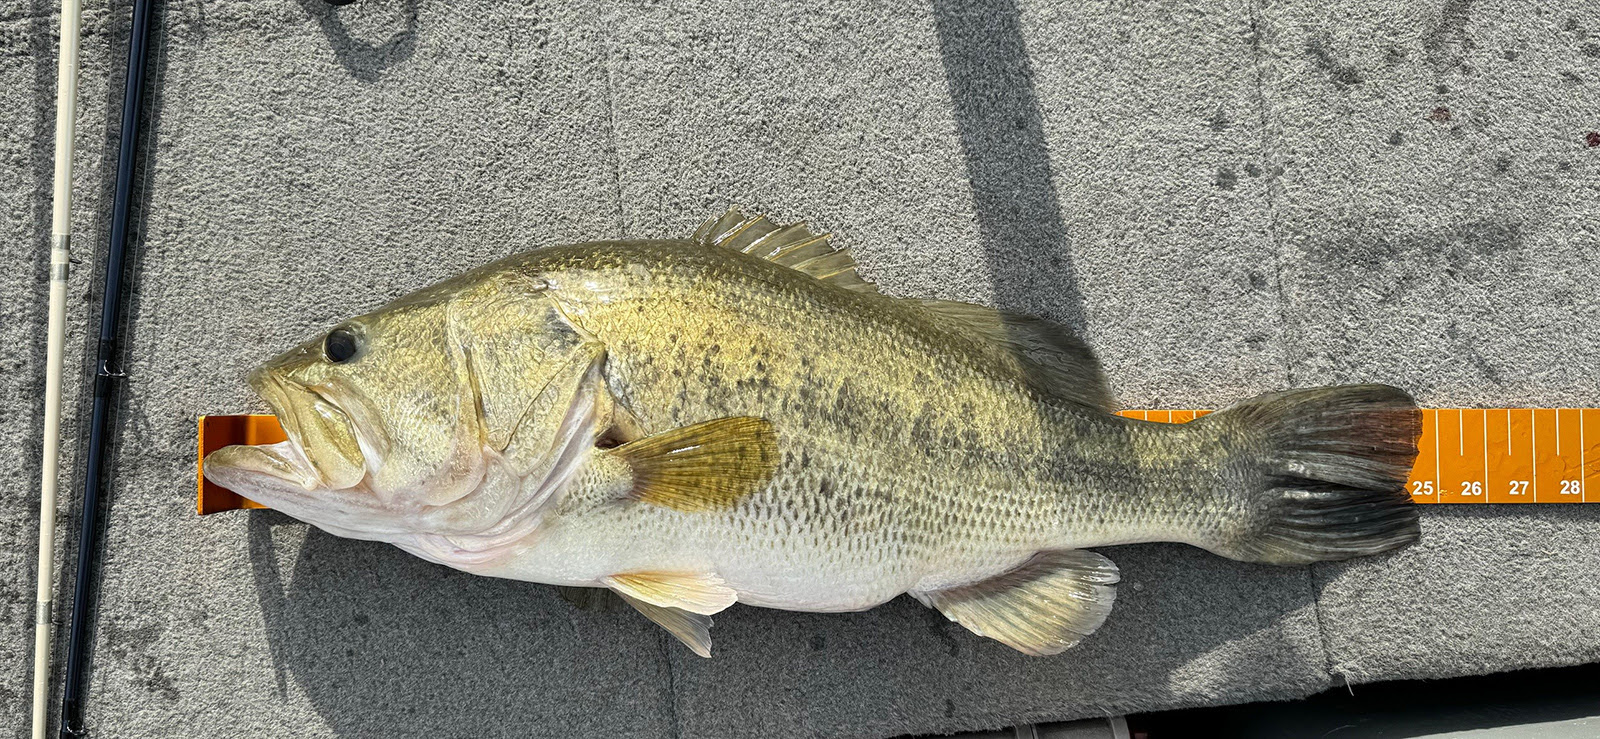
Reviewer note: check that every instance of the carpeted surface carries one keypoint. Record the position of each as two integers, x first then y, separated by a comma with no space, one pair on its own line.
1225,198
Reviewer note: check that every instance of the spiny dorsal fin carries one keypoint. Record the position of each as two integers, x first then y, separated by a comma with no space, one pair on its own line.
793,246
1053,359
705,467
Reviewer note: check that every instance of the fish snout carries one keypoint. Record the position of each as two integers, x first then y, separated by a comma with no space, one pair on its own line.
258,379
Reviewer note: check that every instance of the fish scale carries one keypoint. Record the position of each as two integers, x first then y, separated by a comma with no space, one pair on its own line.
739,417
1034,473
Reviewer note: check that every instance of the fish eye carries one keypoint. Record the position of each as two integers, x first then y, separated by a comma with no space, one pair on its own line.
341,345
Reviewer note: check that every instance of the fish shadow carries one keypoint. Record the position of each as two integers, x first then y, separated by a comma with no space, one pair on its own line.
385,644
1187,627
1024,235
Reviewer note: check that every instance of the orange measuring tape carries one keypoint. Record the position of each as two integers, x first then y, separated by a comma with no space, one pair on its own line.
1496,455
1465,455
217,432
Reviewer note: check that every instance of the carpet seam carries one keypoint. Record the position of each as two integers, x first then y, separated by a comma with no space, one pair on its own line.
1258,22
673,723
1262,59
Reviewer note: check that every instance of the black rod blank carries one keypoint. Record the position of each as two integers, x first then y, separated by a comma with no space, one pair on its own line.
72,725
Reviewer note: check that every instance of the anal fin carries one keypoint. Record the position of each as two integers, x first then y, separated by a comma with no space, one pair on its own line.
1043,607
693,629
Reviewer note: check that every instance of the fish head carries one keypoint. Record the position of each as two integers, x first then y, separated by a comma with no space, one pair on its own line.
399,422
377,419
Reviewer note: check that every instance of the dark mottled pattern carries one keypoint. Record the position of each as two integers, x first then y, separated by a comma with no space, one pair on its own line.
1341,73
910,447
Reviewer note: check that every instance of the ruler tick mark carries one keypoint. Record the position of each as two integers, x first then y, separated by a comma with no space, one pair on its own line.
1438,482
1461,434
1533,438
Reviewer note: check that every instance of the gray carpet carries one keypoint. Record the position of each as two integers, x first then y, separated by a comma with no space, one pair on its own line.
1226,198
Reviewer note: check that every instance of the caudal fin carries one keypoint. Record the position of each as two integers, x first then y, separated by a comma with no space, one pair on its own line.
1322,473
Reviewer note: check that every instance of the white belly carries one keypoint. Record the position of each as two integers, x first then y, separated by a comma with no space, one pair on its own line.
771,564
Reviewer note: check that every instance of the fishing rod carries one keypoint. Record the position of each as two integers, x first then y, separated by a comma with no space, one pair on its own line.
60,244
104,378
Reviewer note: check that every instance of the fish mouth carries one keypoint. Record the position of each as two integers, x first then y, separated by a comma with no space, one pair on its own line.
318,475
279,477
319,430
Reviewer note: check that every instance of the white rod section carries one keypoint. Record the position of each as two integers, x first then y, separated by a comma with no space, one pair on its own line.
60,242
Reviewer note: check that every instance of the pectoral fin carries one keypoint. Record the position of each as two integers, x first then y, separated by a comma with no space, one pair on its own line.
696,593
693,629
705,467
1043,607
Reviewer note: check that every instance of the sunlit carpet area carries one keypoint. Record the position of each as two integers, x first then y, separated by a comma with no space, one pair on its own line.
1224,198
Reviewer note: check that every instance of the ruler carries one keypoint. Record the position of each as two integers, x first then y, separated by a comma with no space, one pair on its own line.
1493,455
217,432
1465,455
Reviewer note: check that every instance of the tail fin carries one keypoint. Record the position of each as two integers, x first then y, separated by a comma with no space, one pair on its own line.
1323,472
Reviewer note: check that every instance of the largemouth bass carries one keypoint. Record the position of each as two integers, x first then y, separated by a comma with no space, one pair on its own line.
740,417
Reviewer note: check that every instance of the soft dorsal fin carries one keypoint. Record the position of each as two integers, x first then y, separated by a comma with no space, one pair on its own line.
1052,358
794,246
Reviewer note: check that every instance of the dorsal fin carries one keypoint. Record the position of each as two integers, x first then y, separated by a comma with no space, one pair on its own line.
1053,359
794,246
